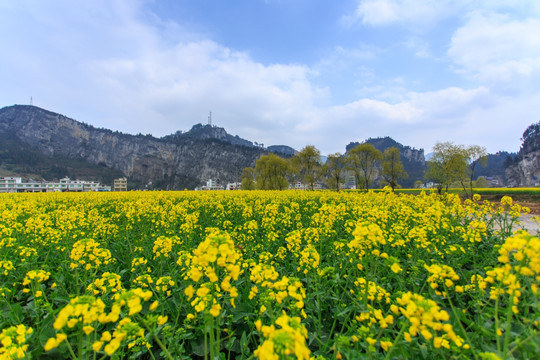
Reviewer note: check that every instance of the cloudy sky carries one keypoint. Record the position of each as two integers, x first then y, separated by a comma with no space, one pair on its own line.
293,72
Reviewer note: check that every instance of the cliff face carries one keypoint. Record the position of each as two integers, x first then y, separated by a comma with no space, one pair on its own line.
524,170
185,163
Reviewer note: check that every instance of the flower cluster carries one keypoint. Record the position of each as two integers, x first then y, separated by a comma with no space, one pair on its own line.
426,318
108,282
6,266
441,275
88,254
214,264
288,339
368,290
87,314
163,246
13,342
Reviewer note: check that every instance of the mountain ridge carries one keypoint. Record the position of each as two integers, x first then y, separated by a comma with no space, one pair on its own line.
176,161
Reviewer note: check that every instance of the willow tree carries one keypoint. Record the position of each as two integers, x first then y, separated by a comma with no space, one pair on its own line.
271,172
447,165
392,167
334,171
307,163
364,161
248,179
474,155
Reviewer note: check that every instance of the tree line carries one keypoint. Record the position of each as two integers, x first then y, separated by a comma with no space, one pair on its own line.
450,164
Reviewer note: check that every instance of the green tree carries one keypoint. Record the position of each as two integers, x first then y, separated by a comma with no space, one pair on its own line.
447,165
363,160
475,155
481,182
334,171
248,179
271,172
307,164
392,167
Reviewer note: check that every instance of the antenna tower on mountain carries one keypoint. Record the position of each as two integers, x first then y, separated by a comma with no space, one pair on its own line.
210,119
31,101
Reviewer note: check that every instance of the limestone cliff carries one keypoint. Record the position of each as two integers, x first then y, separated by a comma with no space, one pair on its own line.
184,163
524,169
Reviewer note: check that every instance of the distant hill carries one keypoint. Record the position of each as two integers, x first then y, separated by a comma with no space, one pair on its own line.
412,159
495,165
40,137
205,132
19,158
282,150
38,143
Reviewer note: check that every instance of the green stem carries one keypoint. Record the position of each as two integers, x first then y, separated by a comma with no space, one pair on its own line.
497,324
522,342
509,317
459,321
394,345
157,339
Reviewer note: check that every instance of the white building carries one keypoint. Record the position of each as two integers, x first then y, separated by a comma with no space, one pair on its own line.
210,185
15,184
234,186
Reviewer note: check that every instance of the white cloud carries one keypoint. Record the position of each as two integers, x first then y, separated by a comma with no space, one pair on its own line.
497,49
385,12
113,65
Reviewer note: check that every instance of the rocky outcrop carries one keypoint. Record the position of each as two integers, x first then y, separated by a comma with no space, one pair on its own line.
205,132
282,150
185,162
524,169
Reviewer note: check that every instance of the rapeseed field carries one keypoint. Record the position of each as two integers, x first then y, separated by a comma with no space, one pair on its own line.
266,275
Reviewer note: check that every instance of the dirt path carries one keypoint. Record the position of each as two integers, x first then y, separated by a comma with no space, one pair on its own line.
528,223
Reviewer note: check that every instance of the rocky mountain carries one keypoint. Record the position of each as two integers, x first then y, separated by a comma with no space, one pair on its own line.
524,169
282,150
413,160
204,132
182,162
495,166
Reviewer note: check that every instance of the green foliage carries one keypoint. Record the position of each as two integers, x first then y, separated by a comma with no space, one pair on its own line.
271,172
248,179
415,167
334,171
392,167
307,163
364,161
447,165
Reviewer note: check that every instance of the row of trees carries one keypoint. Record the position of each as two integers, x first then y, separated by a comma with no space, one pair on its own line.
272,172
450,164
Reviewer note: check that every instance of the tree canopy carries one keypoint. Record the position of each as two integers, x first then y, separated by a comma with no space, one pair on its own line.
364,160
271,172
334,171
307,164
392,167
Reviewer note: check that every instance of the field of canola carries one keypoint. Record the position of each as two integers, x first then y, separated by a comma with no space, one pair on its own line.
267,275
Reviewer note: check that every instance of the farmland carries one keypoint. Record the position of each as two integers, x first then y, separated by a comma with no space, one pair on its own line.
266,274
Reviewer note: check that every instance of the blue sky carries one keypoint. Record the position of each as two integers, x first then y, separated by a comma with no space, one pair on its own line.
293,72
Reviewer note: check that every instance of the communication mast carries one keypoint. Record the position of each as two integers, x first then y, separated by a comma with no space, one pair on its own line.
210,119
31,101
